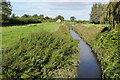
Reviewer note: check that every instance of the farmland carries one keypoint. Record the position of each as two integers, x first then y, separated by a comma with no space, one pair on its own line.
49,40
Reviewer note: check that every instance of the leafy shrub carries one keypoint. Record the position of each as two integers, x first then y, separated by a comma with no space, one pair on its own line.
106,47
39,55
23,20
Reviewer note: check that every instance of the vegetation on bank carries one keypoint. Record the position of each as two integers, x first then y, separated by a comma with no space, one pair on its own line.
106,46
42,54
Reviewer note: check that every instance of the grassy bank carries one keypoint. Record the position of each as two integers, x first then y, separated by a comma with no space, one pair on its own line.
105,45
42,54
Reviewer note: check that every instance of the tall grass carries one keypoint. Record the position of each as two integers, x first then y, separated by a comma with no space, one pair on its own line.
42,55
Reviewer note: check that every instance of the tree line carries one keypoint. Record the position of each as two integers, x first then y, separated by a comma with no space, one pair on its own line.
25,19
100,14
8,18
106,14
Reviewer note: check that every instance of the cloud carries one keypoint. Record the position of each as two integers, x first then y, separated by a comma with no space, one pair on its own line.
80,10
59,0
76,0
60,6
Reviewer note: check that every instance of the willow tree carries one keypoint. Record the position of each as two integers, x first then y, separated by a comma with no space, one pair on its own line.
93,14
112,15
97,12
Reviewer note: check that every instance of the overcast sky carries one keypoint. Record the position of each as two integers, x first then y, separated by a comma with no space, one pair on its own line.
80,8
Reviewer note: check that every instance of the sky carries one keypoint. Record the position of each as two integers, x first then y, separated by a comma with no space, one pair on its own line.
52,8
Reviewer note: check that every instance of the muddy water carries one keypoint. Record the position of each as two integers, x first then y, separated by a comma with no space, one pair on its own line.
88,66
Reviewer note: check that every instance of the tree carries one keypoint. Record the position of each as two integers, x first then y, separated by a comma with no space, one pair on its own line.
60,17
106,13
6,11
14,19
47,18
35,15
93,13
25,16
0,17
41,17
51,19
112,15
72,18
0,13
13,16
97,12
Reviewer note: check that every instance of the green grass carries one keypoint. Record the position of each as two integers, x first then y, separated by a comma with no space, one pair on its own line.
11,34
89,30
95,25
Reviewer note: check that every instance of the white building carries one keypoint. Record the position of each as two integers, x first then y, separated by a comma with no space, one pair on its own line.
58,20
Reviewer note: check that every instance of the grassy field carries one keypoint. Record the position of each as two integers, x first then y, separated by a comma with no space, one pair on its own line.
11,34
105,45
